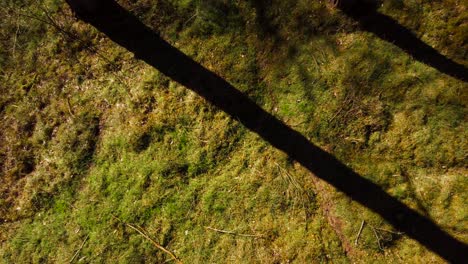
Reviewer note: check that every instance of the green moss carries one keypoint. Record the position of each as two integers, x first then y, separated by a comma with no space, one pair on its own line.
90,144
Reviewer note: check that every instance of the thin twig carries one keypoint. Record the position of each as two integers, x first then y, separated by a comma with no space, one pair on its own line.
290,178
232,233
70,110
142,232
389,231
359,233
79,249
192,17
377,236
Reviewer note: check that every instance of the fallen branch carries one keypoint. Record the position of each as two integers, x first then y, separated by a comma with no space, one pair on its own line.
290,178
232,233
79,249
142,232
359,233
378,238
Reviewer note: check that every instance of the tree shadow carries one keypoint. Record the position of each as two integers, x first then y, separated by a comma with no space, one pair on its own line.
386,28
263,21
127,31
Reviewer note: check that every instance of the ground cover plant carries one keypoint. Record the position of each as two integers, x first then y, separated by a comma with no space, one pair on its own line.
95,142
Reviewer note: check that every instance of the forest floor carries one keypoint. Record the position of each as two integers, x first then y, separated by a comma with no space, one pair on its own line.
102,157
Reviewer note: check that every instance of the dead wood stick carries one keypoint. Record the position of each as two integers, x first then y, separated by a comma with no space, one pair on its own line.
377,237
79,249
289,177
142,232
389,231
70,109
231,233
359,233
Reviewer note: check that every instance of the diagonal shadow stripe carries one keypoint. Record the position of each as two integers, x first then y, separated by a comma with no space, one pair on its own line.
386,28
127,31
